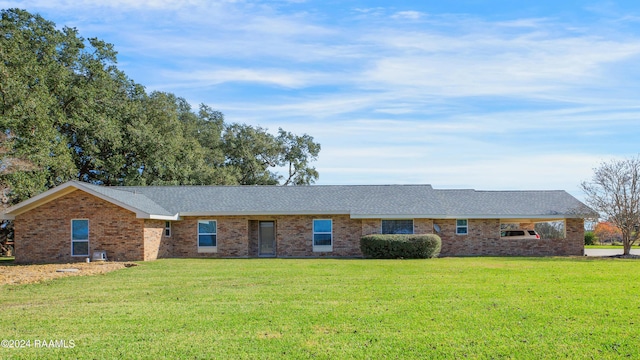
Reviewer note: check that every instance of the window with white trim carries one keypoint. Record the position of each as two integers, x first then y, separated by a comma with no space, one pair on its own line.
167,228
207,236
79,237
404,226
322,235
462,227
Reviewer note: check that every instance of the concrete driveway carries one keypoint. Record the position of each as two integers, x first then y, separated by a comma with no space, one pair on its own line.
606,252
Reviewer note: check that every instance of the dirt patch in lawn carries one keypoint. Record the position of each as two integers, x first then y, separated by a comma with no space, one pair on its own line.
26,274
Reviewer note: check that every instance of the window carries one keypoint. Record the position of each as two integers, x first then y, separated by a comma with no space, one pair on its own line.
322,235
462,227
80,237
207,236
167,228
397,226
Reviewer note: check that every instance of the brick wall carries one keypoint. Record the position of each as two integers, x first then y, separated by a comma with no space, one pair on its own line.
295,236
254,234
156,244
483,238
422,226
371,226
574,242
237,236
232,237
43,234
346,236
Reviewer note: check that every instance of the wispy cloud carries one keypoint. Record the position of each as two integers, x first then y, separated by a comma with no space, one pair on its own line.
394,94
408,15
274,77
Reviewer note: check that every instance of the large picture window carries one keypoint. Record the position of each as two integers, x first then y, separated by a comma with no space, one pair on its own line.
207,236
322,235
80,237
397,226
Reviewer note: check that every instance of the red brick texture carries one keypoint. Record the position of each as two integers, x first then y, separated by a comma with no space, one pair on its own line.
156,244
483,238
232,237
237,236
43,234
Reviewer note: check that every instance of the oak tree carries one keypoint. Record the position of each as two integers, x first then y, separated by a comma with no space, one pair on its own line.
67,112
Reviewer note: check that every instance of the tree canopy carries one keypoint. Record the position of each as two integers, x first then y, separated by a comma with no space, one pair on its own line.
67,112
607,232
614,192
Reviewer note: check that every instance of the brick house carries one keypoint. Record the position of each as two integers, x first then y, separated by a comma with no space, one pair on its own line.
75,219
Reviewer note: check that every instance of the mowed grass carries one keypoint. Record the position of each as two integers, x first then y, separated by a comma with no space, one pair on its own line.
322,308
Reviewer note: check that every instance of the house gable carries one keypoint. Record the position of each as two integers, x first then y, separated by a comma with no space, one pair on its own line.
143,207
43,234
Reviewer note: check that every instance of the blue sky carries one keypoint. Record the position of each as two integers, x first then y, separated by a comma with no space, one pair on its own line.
457,94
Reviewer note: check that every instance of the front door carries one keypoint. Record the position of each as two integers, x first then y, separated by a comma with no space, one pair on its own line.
267,239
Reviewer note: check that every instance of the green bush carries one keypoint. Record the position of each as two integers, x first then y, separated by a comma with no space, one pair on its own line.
590,238
379,246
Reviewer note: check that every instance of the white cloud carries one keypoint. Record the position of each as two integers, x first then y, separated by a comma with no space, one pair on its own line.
484,65
408,15
393,96
276,77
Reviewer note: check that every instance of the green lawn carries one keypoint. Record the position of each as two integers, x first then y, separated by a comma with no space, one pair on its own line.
320,308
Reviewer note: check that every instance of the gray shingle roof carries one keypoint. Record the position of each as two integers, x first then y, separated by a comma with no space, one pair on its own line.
386,201
511,203
361,199
132,199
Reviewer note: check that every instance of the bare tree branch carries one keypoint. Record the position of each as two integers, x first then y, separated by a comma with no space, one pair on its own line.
614,191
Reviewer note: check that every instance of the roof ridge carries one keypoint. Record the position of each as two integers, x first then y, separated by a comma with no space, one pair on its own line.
264,186
502,191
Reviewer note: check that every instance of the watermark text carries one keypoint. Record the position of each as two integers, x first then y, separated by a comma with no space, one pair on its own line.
37,343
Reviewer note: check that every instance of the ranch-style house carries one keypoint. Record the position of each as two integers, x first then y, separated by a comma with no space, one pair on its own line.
74,220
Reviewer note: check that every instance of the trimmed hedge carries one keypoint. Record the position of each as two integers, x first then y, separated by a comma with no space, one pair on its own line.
378,246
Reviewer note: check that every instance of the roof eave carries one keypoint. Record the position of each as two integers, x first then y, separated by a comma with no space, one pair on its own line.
161,217
467,216
67,188
38,200
262,213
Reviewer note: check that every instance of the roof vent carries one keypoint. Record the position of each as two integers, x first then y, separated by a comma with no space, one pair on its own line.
99,255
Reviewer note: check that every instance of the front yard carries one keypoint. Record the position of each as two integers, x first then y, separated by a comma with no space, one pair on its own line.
321,308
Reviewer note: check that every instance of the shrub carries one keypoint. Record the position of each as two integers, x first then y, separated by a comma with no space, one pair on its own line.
590,238
379,246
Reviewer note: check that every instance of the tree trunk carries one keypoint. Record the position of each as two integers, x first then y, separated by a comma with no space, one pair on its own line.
627,247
